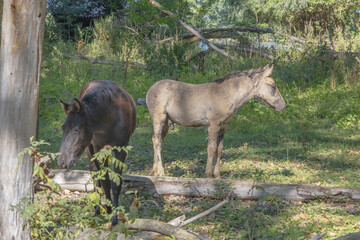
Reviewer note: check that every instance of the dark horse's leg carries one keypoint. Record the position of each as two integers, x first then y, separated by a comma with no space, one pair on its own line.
117,188
161,128
104,184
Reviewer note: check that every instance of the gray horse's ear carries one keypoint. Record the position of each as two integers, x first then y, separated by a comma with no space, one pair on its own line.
78,105
65,106
268,70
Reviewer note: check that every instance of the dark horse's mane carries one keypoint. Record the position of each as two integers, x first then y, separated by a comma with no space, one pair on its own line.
102,96
250,73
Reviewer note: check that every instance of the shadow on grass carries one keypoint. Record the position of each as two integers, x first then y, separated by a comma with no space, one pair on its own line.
331,151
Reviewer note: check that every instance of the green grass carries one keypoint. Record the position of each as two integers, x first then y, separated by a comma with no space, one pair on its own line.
282,153
272,219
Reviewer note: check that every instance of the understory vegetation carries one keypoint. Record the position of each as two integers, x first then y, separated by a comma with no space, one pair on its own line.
315,140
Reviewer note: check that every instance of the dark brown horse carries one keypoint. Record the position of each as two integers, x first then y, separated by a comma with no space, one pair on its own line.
211,104
104,114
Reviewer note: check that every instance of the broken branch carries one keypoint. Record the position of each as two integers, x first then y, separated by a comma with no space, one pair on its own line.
204,213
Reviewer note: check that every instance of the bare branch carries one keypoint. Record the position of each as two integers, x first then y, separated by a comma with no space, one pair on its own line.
207,212
233,33
190,29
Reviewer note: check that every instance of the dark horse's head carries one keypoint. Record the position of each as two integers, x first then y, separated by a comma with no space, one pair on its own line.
77,133
266,89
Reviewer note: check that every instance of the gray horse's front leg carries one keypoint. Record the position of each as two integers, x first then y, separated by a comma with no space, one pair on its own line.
160,130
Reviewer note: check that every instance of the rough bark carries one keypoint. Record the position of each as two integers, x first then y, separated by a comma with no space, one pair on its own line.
204,187
21,48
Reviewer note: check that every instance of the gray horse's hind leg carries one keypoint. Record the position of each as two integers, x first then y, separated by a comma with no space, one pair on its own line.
211,149
220,140
161,128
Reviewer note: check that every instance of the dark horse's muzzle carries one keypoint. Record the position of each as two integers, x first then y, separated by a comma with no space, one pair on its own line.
63,161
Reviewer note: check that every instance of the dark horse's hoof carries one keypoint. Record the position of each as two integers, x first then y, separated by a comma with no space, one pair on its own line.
114,220
97,210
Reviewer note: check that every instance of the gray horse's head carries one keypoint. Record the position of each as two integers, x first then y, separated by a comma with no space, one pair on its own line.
77,133
266,89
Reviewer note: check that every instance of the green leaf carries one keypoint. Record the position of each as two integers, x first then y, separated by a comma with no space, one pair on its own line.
261,188
94,198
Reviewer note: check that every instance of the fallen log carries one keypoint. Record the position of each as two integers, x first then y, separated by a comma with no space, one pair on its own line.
80,180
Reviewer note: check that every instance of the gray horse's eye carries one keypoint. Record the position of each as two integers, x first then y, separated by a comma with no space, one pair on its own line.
76,131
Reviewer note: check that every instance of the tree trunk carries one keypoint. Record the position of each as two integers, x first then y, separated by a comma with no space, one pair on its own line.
21,48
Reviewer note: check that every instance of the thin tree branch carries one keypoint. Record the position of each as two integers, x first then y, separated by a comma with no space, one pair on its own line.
48,187
103,61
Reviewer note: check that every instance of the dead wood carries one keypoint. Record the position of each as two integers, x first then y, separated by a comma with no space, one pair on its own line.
232,33
192,30
80,180
318,236
207,212
104,61
162,228
180,221
351,236
153,226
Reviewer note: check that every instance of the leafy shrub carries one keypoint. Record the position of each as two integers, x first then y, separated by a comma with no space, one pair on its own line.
49,216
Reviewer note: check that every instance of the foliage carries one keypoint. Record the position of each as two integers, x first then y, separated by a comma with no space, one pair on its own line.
50,216
105,157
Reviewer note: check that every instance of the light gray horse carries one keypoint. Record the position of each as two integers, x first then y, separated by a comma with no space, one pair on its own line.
211,104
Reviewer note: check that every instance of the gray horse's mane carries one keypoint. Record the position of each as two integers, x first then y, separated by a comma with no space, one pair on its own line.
249,73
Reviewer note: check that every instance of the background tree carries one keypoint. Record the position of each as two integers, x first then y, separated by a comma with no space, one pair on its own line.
21,49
